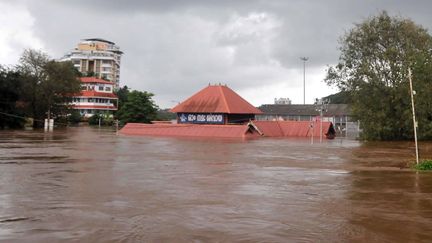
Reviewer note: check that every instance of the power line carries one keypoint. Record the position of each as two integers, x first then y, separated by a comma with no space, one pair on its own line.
23,117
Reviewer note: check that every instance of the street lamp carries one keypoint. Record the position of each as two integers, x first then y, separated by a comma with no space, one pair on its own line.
304,59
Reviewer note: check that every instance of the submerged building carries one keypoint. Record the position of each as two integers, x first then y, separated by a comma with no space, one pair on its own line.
97,57
215,104
218,112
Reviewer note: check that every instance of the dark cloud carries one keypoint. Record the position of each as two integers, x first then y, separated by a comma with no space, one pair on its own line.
174,48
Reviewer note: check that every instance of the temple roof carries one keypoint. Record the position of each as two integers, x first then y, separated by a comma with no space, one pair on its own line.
216,99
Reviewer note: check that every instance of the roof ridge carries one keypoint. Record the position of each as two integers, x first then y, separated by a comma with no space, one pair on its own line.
224,99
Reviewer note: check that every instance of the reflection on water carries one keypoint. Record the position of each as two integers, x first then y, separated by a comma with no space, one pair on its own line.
89,185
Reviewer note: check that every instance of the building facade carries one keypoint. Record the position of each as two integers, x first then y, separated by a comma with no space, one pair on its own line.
97,57
96,97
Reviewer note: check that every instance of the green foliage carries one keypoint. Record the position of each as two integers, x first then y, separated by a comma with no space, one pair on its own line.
47,85
105,119
165,115
122,94
10,84
372,70
341,97
424,165
139,107
38,87
74,117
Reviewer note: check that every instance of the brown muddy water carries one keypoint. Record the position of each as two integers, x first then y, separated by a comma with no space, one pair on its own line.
89,185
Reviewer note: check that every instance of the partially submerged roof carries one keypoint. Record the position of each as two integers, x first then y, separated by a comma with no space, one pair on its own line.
252,129
216,99
190,130
294,128
305,110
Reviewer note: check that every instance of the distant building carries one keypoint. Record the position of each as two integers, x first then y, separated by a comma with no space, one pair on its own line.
282,101
96,96
338,114
97,56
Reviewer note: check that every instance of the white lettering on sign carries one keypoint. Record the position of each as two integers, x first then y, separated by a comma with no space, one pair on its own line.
214,118
191,117
201,118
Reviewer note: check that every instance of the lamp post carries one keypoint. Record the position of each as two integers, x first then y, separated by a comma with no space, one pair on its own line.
304,59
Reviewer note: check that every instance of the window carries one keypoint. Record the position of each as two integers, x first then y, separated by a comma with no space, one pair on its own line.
107,88
100,88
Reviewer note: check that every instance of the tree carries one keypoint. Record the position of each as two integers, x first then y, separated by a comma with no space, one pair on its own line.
10,85
122,94
47,85
341,97
372,69
139,107
60,83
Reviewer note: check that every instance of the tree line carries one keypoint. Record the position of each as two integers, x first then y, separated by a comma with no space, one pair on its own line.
39,87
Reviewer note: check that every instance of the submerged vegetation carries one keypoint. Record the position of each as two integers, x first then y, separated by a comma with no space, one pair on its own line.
38,87
424,165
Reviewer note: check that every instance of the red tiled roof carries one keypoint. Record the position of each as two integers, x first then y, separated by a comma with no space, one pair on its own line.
95,80
216,99
189,130
93,93
265,128
293,128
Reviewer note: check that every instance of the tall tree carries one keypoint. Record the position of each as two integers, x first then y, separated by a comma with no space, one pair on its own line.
122,94
31,65
372,69
46,84
139,107
60,83
10,85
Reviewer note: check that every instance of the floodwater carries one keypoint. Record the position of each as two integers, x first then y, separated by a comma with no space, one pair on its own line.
87,184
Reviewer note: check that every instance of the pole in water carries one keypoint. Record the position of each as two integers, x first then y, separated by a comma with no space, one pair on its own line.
413,115
321,129
312,134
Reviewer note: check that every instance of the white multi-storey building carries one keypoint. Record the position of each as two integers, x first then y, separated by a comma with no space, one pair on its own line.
98,57
96,96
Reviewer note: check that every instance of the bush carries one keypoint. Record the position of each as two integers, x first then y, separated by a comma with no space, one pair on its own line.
106,119
74,117
424,165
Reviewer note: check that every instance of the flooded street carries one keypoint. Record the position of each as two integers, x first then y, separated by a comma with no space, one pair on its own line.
87,184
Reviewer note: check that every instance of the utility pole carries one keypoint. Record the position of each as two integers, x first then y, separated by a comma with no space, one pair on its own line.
304,59
413,115
321,106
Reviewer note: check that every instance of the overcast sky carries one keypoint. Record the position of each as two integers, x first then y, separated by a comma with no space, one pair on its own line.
174,48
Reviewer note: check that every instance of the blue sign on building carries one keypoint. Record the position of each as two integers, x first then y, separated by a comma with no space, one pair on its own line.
201,118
